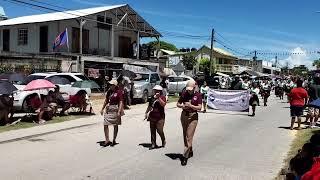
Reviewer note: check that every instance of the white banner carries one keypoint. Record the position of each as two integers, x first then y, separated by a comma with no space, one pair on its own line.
228,100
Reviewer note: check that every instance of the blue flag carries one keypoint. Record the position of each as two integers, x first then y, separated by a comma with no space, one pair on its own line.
61,39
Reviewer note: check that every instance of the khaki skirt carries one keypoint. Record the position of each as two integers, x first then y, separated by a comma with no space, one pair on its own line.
111,117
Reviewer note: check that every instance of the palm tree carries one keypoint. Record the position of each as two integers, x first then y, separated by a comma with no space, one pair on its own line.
316,63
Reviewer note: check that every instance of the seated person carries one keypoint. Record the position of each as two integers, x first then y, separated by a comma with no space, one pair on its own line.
79,100
51,101
6,106
60,101
41,107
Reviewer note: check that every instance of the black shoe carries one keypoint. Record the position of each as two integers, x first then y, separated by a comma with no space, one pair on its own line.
191,154
106,144
153,146
184,161
114,143
253,114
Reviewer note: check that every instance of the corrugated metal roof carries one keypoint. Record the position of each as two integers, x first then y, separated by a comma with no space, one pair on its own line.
57,15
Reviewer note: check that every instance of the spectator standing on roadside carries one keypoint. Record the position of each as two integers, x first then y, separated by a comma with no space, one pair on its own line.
314,94
298,97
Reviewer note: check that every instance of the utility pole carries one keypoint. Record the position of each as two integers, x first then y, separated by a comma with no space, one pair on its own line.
254,61
211,51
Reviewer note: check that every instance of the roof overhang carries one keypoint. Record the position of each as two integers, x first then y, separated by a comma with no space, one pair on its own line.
133,21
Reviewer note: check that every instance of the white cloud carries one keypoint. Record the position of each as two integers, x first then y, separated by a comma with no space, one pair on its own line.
298,57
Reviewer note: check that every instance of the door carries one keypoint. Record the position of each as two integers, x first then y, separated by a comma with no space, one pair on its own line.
76,40
124,46
43,39
6,40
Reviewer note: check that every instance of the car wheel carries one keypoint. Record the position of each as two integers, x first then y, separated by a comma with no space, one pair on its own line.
145,97
25,107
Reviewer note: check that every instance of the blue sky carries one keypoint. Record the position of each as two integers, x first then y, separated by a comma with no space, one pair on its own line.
245,25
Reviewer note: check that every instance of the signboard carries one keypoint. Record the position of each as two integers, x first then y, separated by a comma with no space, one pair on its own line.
228,100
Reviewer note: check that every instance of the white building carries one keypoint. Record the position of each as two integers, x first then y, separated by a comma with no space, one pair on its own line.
109,34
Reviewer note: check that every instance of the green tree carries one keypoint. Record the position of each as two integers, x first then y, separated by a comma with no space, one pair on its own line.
163,45
204,66
316,63
189,61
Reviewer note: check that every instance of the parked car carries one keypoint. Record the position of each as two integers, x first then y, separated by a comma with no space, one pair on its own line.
177,84
143,85
20,96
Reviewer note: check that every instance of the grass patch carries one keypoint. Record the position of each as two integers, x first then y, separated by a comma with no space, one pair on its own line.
23,125
173,98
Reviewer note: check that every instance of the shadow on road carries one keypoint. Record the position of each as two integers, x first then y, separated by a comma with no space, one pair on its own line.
175,156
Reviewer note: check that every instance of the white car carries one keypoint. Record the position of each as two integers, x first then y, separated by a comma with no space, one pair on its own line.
20,96
177,84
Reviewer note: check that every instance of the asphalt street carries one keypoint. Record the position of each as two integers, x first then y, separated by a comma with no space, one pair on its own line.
227,145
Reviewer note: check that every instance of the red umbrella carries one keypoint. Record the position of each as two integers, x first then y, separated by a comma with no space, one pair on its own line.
39,84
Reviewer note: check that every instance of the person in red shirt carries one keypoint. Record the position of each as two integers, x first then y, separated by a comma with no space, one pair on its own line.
155,114
298,97
190,102
112,110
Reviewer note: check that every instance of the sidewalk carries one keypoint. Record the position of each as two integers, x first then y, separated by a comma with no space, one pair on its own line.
21,134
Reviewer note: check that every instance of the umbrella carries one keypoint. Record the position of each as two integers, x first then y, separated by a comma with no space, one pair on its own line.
128,74
86,84
7,87
39,84
58,80
13,77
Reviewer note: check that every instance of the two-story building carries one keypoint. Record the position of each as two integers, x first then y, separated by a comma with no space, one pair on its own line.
103,38
226,62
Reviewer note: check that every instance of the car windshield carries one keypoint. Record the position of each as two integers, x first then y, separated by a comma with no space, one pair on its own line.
31,78
142,77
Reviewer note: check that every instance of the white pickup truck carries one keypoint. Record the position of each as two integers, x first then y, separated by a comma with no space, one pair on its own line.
20,96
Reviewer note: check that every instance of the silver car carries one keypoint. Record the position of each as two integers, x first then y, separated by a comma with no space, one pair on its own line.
177,84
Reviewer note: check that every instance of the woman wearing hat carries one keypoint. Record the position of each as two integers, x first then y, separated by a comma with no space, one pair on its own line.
190,102
156,116
112,110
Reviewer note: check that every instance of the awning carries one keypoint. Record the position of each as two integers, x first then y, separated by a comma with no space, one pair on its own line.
222,74
251,73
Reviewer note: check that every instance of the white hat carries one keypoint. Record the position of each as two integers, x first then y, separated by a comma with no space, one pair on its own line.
158,88
113,82
191,84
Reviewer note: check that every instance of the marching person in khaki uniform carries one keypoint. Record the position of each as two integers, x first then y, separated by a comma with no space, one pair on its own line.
155,114
190,102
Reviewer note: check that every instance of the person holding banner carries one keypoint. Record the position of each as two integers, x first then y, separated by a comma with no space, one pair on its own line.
155,114
190,102
254,99
204,91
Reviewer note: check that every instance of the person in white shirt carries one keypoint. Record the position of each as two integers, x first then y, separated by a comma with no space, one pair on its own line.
245,84
266,88
254,99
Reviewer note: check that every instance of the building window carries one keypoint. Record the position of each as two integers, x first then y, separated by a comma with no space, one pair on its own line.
104,20
22,36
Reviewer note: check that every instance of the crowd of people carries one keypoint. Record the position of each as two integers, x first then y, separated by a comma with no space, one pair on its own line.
45,107
305,165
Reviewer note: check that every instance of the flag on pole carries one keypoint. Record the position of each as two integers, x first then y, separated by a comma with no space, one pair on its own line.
61,39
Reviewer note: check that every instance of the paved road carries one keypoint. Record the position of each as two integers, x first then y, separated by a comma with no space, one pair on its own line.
227,146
